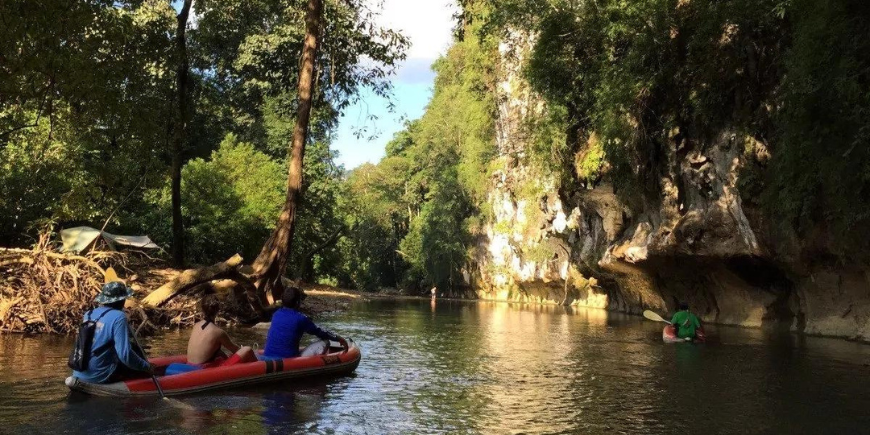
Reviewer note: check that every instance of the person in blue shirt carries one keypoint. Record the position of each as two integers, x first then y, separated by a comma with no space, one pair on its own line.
112,355
288,325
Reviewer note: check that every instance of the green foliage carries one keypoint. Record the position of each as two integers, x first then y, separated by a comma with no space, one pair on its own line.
320,217
652,77
252,50
502,227
30,173
229,202
635,72
376,222
86,116
590,161
82,94
433,247
539,253
820,171
415,214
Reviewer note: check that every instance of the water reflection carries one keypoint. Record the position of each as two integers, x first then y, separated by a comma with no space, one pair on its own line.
450,367
262,411
533,348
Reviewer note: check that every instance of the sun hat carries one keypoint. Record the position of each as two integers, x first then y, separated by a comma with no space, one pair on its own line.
113,292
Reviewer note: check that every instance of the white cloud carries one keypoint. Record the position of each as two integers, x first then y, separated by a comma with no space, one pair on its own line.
429,26
427,23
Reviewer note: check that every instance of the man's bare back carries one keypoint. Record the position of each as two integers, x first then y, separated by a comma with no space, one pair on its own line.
206,341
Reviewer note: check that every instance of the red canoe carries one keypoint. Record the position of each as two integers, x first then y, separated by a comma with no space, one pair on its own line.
669,335
337,362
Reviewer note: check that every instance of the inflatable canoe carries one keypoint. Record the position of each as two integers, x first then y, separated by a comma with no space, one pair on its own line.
336,362
669,335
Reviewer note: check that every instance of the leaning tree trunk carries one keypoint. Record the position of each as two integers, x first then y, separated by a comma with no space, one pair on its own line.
272,261
178,134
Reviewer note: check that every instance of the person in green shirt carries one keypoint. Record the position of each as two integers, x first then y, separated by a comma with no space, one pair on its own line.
685,322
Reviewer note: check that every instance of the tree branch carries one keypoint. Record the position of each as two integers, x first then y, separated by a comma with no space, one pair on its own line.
307,257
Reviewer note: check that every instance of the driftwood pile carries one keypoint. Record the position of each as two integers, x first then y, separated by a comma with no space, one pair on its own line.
46,291
42,290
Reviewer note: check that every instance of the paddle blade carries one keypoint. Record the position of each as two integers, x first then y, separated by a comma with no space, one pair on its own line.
110,276
653,316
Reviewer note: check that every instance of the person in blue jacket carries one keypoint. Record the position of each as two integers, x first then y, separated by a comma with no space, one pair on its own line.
288,325
113,356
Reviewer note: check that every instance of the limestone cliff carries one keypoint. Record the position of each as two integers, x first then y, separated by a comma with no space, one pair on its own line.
699,240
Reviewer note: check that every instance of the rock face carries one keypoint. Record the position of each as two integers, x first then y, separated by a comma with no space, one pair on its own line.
699,242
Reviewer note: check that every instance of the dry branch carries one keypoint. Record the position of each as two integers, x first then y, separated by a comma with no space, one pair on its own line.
189,279
42,290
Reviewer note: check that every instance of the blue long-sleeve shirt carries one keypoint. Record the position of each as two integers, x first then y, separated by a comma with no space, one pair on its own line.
286,331
111,346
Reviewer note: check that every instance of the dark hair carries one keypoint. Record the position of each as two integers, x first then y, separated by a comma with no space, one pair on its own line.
684,306
209,307
292,297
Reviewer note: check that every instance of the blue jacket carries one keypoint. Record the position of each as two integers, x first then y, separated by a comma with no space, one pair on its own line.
286,331
111,346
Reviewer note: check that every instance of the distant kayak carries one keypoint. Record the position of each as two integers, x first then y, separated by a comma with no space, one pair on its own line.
336,362
669,335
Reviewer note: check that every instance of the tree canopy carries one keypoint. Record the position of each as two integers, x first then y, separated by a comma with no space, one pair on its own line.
86,116
86,109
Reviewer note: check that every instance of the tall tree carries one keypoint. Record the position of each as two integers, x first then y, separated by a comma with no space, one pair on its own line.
272,261
178,134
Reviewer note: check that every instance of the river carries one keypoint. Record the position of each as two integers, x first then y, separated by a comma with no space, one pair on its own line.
465,367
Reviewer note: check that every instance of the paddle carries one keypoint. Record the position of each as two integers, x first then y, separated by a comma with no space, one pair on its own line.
174,402
654,317
153,376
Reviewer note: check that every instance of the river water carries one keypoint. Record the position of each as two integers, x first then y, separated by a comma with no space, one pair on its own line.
465,367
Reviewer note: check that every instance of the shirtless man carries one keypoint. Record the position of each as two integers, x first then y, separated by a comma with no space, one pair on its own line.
207,339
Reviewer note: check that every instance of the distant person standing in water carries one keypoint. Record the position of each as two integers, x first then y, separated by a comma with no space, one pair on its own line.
434,291
685,323
288,325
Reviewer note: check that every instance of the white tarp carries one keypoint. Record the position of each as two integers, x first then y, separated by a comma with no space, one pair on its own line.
79,239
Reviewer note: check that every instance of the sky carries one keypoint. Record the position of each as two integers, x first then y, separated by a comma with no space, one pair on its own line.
429,26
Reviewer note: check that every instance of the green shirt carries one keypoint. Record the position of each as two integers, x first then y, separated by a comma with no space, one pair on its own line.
686,324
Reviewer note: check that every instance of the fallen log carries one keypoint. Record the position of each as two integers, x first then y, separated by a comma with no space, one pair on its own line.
236,290
256,300
236,299
191,278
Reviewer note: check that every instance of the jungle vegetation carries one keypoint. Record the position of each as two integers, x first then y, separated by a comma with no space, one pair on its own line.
89,112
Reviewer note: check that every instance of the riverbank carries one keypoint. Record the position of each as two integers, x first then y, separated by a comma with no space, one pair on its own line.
325,299
45,291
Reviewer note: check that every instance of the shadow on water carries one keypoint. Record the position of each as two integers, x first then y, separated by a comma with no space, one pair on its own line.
286,407
460,367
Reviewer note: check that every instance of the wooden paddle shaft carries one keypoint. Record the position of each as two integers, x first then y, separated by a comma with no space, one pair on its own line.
153,376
